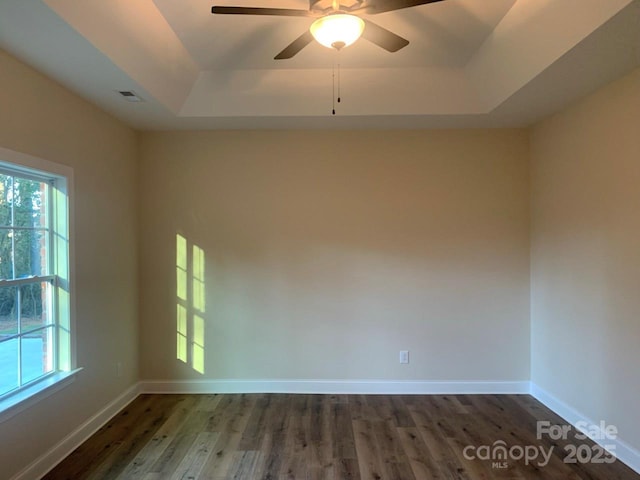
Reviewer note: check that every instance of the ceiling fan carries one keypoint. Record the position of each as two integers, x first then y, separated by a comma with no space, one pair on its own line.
337,25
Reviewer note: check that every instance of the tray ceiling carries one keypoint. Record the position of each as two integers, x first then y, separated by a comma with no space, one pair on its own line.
469,63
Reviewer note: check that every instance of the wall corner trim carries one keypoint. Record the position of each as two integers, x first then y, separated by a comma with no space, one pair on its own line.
623,451
62,449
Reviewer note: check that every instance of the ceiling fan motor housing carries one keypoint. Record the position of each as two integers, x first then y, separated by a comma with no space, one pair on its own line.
322,6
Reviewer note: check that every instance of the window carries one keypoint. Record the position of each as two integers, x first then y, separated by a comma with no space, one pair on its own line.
35,308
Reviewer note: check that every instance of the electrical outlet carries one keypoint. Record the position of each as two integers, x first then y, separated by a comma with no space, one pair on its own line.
404,356
118,369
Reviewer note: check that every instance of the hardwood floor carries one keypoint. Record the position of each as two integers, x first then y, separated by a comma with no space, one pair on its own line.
278,436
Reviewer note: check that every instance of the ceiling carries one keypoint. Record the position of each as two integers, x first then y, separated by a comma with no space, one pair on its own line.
470,63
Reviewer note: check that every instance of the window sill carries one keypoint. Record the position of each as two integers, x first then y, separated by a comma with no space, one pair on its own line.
14,404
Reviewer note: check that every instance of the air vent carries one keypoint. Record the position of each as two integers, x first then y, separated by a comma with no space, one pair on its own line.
130,96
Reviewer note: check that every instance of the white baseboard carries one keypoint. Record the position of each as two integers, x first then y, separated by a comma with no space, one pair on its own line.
623,451
332,387
67,445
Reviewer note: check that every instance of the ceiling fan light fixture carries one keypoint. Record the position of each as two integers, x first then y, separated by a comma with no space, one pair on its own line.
337,30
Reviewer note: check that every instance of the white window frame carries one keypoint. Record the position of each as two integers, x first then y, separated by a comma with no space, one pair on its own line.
65,367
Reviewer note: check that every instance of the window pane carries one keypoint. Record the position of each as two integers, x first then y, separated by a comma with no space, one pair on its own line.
6,252
34,306
6,198
36,354
9,362
29,203
30,254
8,313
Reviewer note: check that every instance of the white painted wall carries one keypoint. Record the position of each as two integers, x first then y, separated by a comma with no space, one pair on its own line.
329,252
585,261
40,118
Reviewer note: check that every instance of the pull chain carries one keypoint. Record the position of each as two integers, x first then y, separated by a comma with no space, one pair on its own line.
338,80
333,76
333,90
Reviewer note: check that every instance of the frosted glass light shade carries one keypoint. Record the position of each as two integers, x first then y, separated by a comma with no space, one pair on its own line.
337,30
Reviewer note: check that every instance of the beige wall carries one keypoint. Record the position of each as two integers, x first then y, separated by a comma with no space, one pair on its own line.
40,118
586,256
328,252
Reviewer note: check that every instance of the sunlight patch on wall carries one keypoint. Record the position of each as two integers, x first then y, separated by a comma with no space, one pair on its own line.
197,345
181,337
191,302
181,267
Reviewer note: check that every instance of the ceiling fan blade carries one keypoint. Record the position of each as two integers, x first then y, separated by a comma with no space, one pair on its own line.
294,47
280,12
381,6
383,37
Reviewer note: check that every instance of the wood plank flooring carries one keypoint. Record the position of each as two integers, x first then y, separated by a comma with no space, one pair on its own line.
326,437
